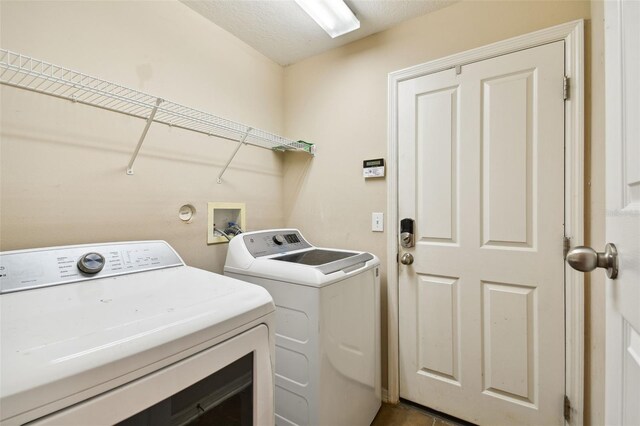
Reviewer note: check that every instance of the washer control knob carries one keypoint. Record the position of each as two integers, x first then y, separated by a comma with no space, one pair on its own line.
278,239
91,263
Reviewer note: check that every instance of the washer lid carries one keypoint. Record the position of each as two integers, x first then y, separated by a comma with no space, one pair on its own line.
284,255
327,261
315,257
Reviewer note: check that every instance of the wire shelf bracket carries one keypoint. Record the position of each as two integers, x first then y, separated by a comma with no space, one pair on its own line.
24,72
142,136
241,142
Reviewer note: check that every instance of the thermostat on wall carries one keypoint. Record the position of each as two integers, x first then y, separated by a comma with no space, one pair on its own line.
373,168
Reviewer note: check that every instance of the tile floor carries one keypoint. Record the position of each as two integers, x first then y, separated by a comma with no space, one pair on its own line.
407,415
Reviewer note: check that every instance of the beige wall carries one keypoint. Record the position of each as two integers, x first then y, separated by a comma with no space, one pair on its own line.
63,166
62,177
339,101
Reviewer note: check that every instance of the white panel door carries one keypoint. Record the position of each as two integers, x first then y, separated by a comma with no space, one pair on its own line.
622,37
481,170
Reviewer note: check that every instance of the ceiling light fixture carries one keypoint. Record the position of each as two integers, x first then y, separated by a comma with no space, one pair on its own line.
334,16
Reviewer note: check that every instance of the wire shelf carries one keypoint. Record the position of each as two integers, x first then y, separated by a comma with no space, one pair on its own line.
24,72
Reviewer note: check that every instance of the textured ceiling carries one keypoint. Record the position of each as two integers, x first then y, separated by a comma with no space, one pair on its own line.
283,32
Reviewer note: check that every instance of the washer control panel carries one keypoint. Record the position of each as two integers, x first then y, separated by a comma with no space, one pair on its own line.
277,241
28,269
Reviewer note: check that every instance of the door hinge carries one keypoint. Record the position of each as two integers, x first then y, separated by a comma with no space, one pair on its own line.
565,88
566,245
567,409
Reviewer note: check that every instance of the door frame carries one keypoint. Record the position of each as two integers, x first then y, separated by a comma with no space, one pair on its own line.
572,33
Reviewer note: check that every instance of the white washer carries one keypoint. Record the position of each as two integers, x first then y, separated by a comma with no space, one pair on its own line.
126,332
327,325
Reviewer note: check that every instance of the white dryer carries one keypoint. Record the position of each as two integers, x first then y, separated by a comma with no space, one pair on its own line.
327,325
126,333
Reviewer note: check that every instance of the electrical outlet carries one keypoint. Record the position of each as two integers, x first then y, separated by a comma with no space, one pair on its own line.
377,222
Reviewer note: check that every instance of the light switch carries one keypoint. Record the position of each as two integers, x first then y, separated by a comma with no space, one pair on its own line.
377,222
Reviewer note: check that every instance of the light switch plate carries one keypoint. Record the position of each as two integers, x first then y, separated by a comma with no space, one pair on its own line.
377,222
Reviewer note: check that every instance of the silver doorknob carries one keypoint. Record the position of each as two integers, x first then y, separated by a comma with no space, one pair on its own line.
406,259
586,259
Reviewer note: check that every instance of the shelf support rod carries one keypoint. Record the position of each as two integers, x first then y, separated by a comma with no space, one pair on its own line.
242,141
143,135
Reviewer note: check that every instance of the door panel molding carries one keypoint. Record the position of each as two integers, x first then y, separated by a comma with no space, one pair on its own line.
439,347
508,321
512,97
572,33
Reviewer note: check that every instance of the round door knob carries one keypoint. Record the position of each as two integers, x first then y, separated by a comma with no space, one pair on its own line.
278,239
406,259
91,263
586,259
